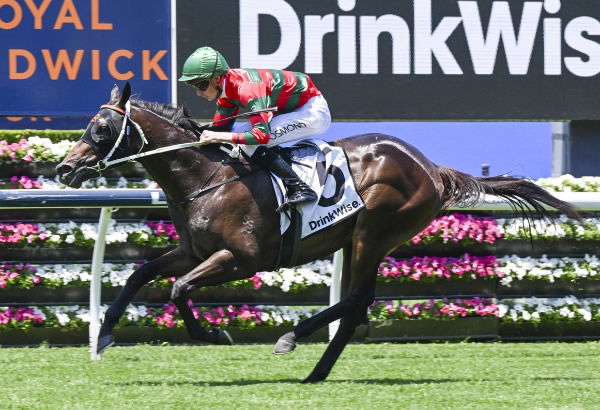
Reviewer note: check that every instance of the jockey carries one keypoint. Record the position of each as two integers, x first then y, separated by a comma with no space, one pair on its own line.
301,112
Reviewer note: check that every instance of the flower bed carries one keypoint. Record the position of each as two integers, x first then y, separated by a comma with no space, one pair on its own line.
161,233
417,276
71,317
35,149
567,318
537,310
442,309
156,234
244,317
475,319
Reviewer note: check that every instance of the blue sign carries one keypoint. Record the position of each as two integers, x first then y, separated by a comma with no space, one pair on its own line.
62,57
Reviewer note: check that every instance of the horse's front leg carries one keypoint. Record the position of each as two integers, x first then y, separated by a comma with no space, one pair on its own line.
219,268
173,263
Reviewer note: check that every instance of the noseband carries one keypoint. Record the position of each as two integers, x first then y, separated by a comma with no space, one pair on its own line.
125,131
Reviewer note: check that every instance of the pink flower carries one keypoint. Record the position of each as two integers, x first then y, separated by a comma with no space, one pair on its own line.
420,268
457,227
256,281
245,315
161,228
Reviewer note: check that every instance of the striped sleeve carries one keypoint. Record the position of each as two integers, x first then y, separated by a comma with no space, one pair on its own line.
225,109
254,97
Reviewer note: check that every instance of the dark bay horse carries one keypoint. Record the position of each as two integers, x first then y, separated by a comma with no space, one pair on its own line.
224,212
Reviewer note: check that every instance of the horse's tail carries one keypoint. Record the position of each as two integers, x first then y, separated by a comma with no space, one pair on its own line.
466,190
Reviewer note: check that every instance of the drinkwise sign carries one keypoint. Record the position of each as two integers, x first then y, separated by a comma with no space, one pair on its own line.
413,59
61,57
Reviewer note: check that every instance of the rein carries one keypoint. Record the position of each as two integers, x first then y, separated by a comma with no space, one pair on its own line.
106,162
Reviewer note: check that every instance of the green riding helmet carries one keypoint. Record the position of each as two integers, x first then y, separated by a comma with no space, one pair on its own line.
205,62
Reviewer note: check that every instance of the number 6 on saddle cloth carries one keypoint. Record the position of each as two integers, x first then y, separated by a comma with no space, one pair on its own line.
324,168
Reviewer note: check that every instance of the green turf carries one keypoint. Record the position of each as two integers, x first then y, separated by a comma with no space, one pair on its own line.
367,376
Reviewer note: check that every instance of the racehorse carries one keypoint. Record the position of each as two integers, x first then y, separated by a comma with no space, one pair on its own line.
224,211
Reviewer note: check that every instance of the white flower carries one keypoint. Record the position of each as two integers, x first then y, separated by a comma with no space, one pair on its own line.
62,318
84,315
516,268
134,313
587,315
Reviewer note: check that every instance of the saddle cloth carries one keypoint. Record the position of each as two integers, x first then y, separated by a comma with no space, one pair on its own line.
325,169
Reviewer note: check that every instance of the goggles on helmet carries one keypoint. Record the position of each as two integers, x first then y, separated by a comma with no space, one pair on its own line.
201,84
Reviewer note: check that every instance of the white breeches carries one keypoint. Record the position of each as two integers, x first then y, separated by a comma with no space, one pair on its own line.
311,119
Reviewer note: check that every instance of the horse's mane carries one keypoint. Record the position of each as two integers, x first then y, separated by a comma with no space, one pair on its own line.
177,115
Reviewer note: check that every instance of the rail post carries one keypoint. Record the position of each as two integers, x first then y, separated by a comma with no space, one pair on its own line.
335,290
96,282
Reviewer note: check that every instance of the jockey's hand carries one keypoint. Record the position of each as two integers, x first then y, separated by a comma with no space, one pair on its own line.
214,137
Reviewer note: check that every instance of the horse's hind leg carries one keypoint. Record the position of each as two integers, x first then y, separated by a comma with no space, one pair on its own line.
219,268
173,263
370,244
360,297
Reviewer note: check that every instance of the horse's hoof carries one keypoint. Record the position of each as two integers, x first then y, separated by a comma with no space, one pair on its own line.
220,337
104,342
285,344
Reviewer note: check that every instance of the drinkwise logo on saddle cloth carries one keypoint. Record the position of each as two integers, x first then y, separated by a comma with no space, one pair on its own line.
325,169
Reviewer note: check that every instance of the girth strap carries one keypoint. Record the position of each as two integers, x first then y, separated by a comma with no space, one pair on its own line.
289,245
205,189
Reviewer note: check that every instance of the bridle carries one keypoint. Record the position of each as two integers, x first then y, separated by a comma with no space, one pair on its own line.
106,162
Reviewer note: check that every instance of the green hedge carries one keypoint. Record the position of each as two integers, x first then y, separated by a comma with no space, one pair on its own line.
54,135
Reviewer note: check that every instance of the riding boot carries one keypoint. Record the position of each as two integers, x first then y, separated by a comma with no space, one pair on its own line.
298,192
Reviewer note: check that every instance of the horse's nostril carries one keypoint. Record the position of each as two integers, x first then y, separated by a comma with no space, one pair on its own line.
63,169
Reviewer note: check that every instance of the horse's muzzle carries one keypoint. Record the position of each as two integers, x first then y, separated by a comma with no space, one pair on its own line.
73,176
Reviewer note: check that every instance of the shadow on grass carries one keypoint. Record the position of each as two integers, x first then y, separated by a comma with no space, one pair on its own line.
379,381
246,382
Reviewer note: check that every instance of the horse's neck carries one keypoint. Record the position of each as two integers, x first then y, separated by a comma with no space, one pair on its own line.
179,172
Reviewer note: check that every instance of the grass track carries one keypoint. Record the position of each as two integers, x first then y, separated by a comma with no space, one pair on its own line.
367,376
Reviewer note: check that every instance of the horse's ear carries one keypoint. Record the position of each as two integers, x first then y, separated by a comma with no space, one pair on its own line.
114,94
124,95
